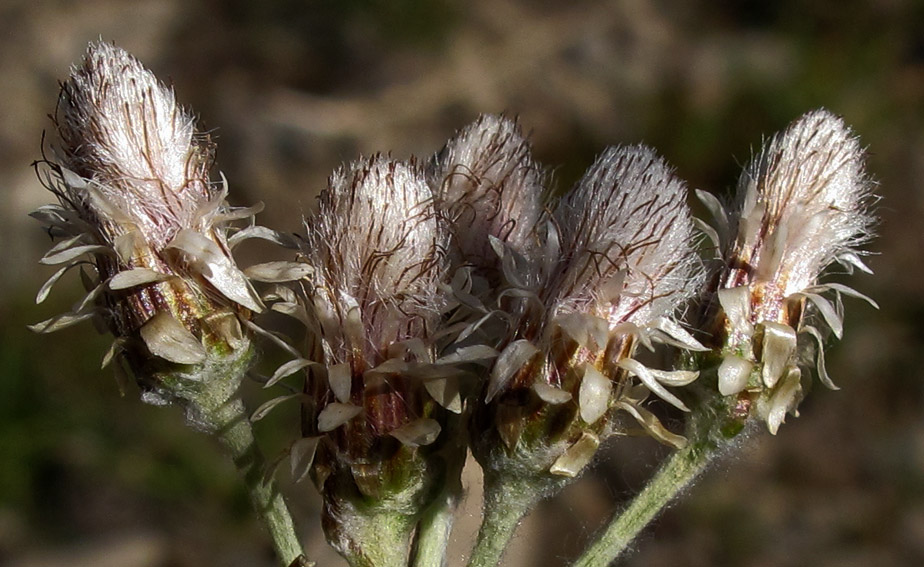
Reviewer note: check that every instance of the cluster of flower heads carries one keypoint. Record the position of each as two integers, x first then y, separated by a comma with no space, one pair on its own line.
456,285
454,303
577,288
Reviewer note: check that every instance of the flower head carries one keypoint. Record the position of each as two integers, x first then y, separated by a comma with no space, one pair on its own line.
617,262
374,302
803,204
135,197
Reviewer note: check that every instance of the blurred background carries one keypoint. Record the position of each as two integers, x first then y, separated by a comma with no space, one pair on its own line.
290,89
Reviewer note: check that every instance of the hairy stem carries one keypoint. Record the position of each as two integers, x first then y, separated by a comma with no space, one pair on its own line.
377,539
706,441
434,530
222,411
506,501
435,526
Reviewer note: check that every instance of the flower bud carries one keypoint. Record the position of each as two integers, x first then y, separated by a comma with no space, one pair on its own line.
135,198
803,204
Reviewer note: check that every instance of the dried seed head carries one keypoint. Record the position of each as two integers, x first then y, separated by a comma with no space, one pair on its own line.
374,395
628,262
377,244
617,261
123,132
804,203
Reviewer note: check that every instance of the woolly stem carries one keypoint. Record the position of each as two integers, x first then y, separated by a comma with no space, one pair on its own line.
434,529
377,538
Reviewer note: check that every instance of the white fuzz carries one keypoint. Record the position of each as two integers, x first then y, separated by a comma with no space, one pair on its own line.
488,185
138,214
616,261
124,133
627,240
376,245
803,204
135,196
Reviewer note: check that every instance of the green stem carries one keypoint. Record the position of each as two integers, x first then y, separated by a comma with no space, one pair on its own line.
434,529
506,502
377,539
675,474
222,411
435,526
264,494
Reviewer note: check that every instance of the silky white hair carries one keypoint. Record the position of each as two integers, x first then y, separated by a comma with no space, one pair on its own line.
124,133
379,247
488,184
804,203
627,240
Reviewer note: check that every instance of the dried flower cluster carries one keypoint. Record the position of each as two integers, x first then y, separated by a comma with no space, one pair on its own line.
614,260
454,304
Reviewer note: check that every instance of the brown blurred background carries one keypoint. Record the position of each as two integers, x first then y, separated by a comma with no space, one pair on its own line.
293,88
